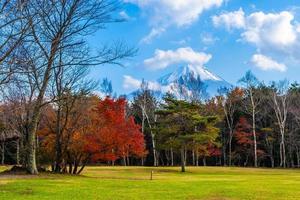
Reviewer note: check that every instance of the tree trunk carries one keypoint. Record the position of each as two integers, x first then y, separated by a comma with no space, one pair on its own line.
282,152
204,161
197,158
83,166
185,155
143,129
31,145
3,152
224,153
246,161
182,157
58,149
145,115
75,167
172,157
30,160
272,161
298,156
254,138
155,159
230,148
124,160
193,157
18,152
128,161
70,168
292,164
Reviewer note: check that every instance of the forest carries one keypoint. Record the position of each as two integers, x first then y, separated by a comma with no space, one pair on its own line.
52,116
255,125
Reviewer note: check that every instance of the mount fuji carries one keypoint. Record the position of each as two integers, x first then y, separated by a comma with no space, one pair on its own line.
184,74
187,77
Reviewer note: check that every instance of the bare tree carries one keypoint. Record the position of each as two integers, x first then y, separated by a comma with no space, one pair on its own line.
68,84
61,26
231,98
251,82
146,104
13,29
280,104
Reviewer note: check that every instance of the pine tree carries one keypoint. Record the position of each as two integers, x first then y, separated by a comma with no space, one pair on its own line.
181,124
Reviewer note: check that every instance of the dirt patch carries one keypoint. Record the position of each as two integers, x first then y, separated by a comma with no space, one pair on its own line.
18,172
15,170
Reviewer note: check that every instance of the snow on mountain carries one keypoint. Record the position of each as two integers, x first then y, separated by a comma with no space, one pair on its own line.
182,79
183,74
186,71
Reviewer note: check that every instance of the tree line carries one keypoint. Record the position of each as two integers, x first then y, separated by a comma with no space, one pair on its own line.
50,116
252,125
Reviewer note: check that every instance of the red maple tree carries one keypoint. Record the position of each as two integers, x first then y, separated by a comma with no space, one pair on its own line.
113,135
244,138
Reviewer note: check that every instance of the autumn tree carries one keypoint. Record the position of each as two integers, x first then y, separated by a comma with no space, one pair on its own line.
60,28
68,85
76,122
114,136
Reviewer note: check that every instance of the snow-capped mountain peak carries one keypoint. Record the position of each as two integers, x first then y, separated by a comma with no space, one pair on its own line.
189,70
188,79
182,75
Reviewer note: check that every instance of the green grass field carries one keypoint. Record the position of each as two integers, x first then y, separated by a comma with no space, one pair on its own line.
209,183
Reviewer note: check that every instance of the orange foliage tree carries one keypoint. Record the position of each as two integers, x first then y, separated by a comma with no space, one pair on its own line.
114,135
95,131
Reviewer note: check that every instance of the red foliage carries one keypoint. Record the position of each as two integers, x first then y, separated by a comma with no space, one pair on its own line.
214,150
243,133
113,135
244,137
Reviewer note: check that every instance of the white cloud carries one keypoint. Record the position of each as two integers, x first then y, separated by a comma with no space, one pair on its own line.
274,30
178,12
163,59
131,83
266,63
165,13
154,33
230,20
271,30
208,39
275,33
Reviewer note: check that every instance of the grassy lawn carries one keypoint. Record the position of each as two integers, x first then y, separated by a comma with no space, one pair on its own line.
210,183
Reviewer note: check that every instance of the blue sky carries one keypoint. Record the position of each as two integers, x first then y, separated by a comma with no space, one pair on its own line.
228,37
